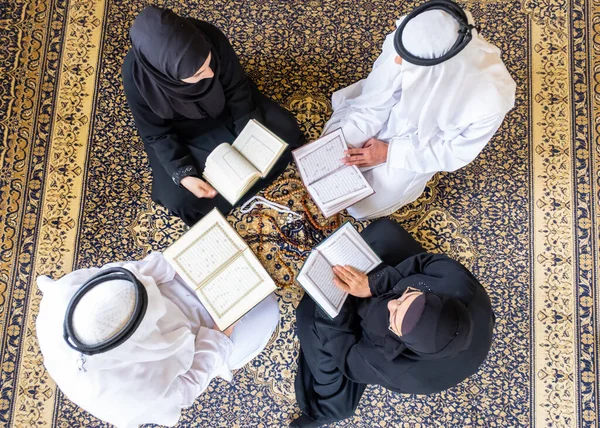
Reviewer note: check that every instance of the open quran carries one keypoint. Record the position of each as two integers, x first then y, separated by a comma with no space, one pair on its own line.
216,262
344,247
233,169
333,185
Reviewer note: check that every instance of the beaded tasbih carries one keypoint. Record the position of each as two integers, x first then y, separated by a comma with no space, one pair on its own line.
283,199
332,225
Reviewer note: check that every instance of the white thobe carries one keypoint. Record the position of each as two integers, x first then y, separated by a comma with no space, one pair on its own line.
433,119
169,360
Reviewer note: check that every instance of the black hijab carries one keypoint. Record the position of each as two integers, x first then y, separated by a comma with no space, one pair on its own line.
168,48
443,330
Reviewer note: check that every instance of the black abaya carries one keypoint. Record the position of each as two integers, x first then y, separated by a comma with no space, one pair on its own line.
178,146
340,357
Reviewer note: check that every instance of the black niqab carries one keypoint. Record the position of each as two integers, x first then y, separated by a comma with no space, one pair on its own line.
169,48
443,331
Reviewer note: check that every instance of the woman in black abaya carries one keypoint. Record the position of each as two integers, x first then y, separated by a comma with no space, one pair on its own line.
419,324
188,93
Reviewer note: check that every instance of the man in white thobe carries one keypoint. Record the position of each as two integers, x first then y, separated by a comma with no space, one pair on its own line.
169,358
405,122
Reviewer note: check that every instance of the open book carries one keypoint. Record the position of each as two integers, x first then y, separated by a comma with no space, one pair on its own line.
344,247
233,169
333,185
216,262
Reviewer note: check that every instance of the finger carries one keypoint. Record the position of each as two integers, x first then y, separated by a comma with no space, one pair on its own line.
354,152
211,192
357,163
207,190
354,160
204,186
353,271
349,162
205,193
341,284
342,273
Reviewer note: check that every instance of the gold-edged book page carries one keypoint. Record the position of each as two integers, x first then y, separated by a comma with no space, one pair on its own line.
230,173
236,289
214,177
216,262
259,146
205,249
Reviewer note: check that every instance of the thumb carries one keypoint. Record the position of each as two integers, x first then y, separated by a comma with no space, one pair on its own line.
202,184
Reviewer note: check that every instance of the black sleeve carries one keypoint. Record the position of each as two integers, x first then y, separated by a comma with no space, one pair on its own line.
340,336
236,85
157,132
436,272
383,279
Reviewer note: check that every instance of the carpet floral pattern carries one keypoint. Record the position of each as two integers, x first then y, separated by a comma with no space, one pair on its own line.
524,217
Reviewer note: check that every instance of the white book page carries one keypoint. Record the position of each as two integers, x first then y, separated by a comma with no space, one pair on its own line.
321,157
341,185
259,146
319,274
236,289
227,169
215,177
341,204
347,247
204,249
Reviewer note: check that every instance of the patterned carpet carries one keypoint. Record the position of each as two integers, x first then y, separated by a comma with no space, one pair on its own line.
525,216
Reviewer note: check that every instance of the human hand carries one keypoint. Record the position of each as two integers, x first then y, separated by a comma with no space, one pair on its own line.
200,188
373,152
228,331
351,281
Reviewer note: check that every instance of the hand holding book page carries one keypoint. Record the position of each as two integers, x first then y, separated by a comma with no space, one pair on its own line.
333,185
344,247
229,172
216,262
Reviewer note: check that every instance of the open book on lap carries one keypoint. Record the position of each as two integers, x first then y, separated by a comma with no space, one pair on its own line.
333,185
216,262
344,247
233,169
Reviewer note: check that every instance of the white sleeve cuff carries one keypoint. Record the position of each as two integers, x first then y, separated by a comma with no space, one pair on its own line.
398,150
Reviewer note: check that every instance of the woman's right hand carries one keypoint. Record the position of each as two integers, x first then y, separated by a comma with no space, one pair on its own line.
200,188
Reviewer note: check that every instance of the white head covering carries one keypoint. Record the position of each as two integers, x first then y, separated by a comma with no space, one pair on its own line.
142,369
430,34
469,87
103,311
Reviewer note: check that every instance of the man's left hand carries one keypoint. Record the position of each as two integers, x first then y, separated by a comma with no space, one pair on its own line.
373,152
